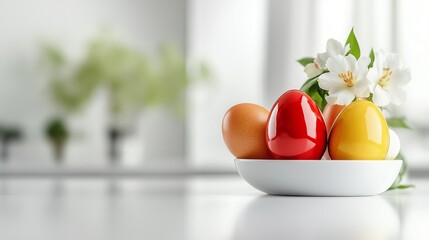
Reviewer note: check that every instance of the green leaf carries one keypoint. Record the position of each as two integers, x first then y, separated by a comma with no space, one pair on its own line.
402,186
306,60
400,157
354,45
397,122
315,95
397,183
371,96
402,171
372,57
312,89
323,94
308,84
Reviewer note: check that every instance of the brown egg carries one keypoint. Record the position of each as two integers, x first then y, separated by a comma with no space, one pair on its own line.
243,129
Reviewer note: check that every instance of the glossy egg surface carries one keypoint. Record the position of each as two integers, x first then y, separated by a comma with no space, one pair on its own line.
295,128
360,132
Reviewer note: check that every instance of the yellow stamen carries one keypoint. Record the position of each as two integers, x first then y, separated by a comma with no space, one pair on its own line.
387,73
348,78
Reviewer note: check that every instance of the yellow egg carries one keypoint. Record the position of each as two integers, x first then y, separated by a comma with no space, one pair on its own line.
359,133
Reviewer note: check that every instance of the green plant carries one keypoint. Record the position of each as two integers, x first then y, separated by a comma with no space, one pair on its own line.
132,79
57,132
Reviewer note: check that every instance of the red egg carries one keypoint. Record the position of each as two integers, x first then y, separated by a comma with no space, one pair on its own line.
295,128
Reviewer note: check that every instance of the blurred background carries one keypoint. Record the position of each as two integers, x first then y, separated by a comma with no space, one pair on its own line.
145,83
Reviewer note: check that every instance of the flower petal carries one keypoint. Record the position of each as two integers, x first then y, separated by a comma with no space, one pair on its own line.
350,62
321,60
361,88
336,64
346,49
373,77
344,97
381,97
394,61
312,70
397,94
331,99
334,48
401,76
362,63
331,82
380,61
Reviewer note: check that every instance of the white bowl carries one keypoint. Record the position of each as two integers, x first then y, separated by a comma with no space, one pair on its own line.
319,177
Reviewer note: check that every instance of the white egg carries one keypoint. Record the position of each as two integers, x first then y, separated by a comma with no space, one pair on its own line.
395,145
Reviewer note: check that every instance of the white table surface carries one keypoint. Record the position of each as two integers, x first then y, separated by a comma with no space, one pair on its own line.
211,207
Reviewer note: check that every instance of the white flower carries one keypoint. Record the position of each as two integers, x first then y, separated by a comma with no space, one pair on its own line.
346,79
333,48
388,77
312,70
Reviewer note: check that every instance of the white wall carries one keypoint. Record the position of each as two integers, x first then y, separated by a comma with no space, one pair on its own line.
25,24
230,36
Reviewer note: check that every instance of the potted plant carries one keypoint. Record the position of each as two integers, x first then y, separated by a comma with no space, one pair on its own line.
8,134
57,132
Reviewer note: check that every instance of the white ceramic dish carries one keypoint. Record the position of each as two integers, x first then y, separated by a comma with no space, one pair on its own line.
319,177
